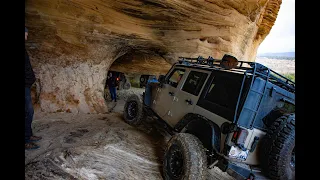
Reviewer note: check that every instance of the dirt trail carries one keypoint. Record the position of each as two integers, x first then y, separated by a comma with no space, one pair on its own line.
97,146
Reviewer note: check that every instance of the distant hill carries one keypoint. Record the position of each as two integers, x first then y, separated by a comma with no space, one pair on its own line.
282,55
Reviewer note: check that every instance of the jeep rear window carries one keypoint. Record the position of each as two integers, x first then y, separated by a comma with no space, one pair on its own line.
220,94
224,91
194,82
175,77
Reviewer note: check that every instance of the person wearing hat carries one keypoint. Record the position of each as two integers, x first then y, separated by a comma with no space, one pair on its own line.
30,78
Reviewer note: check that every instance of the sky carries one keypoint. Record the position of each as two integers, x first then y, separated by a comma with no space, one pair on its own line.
282,35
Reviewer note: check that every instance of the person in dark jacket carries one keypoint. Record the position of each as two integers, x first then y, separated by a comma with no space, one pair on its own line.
112,84
29,79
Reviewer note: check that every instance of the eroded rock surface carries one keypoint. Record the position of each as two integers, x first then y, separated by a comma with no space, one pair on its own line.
72,44
97,146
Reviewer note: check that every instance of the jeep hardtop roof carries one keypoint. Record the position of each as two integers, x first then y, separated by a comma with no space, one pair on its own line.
243,67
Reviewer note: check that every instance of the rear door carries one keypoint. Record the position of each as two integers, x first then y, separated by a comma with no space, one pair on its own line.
186,96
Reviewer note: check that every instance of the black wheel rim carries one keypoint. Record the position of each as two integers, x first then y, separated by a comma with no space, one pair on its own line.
175,162
132,110
293,159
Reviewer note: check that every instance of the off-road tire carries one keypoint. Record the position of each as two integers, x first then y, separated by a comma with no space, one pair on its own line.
134,103
194,160
127,85
276,150
142,79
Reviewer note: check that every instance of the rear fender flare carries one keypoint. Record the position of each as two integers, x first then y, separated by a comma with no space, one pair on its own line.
207,131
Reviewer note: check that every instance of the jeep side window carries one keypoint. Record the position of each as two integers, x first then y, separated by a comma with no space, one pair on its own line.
194,82
224,91
175,77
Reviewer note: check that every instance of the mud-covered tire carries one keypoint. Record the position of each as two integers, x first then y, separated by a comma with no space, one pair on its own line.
277,151
127,85
133,112
185,158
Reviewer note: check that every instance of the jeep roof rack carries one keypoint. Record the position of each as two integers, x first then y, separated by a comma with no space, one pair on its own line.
247,67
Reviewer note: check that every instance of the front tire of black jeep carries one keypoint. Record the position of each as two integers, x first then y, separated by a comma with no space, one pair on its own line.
133,112
185,158
278,149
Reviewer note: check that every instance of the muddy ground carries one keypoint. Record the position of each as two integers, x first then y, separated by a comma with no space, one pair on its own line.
97,146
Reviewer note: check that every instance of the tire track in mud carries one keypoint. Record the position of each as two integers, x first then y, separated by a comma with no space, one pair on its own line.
114,162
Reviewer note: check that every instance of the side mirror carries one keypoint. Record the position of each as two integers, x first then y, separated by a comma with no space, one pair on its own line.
162,79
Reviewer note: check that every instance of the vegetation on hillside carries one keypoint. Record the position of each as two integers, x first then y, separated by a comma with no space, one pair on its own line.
279,57
283,55
290,76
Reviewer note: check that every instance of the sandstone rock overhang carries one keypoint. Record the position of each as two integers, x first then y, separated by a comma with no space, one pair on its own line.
72,44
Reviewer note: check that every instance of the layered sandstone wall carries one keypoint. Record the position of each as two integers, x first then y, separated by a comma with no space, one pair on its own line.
72,43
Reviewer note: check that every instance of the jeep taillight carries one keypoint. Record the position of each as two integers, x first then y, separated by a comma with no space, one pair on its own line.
235,136
239,137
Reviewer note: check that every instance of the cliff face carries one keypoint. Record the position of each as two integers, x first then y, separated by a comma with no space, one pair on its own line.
72,44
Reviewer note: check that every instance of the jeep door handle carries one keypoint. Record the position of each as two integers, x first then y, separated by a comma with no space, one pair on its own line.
171,93
189,101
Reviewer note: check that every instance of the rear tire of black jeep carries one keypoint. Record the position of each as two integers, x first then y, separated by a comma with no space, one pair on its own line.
278,149
133,112
185,158
127,85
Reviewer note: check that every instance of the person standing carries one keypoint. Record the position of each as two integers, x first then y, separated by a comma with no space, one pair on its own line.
30,78
112,84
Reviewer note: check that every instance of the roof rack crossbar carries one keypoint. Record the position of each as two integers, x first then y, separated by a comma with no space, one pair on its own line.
254,68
